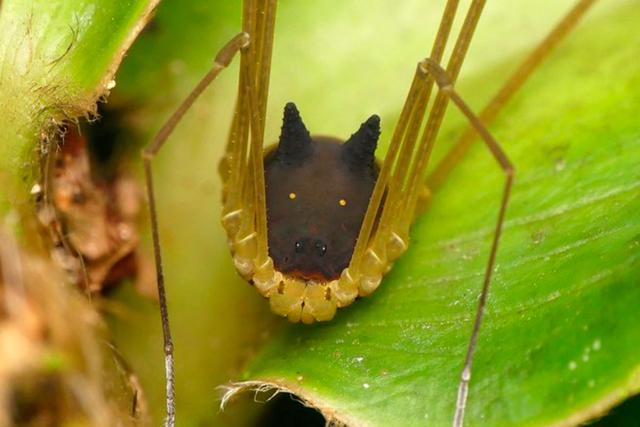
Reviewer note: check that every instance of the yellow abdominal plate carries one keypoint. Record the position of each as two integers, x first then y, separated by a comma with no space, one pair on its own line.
308,301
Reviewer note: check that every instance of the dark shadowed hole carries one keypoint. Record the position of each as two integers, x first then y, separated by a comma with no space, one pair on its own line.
627,414
285,410
109,141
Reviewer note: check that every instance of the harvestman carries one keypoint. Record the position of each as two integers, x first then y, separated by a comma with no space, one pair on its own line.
282,238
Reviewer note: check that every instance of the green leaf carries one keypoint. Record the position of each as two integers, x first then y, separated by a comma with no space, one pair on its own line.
557,345
57,58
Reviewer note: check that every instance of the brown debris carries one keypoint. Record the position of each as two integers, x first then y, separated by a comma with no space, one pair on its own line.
55,366
92,221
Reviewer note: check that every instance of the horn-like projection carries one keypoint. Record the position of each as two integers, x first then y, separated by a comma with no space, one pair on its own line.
295,142
361,147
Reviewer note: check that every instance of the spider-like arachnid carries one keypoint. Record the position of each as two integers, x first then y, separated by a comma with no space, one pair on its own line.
314,222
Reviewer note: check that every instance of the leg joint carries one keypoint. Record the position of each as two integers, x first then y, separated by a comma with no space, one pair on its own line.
168,348
226,54
510,171
435,70
146,154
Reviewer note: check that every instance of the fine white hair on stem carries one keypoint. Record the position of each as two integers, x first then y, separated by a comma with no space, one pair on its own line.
257,387
270,390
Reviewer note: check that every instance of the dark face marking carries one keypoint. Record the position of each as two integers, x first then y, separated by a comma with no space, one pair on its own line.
317,189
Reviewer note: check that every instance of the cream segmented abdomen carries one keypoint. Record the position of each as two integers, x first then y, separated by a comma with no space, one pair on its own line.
317,192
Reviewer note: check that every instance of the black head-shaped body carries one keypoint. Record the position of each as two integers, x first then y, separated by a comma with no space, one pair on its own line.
318,190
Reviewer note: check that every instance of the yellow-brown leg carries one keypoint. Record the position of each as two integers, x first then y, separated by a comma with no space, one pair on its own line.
477,127
244,204
446,87
222,60
508,89
384,233
401,185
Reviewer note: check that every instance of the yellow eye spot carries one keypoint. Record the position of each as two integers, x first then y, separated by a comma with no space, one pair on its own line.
292,196
342,202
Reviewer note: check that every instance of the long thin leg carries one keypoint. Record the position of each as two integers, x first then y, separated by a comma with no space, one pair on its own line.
258,106
222,60
510,87
244,201
406,159
394,168
423,154
446,87
417,97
